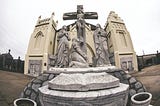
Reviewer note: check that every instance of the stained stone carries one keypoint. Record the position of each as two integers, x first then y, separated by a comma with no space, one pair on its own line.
51,76
45,83
82,70
132,80
37,81
33,96
28,92
138,85
107,97
132,92
127,76
83,82
140,90
36,86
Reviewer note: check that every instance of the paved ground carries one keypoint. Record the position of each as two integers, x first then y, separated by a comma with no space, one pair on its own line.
12,84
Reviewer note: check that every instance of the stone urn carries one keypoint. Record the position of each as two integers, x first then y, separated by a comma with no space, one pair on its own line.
24,102
141,99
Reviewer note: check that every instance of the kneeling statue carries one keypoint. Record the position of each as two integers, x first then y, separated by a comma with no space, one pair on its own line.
78,58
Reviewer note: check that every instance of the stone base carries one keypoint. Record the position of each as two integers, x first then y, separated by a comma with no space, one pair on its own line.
31,89
109,97
107,69
83,82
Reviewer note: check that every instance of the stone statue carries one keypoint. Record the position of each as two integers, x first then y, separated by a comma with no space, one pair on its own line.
100,40
85,15
80,15
62,54
80,26
77,57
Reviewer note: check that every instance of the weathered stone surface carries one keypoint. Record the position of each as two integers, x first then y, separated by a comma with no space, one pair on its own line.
54,70
126,76
33,96
43,77
36,86
101,46
83,82
140,90
28,92
138,85
118,75
31,90
108,97
62,52
29,85
51,76
43,82
132,80
132,92
37,81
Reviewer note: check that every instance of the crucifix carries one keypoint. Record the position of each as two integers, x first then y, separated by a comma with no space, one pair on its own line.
80,15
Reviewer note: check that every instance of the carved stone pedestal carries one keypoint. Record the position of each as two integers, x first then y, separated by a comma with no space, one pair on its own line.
84,89
83,82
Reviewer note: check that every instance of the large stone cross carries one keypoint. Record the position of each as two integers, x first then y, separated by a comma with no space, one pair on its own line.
74,15
80,23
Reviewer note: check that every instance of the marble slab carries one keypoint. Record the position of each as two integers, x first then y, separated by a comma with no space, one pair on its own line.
83,82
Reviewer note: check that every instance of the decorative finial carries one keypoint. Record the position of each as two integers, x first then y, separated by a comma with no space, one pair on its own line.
53,13
39,17
9,51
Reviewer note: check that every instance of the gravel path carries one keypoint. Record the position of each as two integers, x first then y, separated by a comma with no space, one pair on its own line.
150,78
11,85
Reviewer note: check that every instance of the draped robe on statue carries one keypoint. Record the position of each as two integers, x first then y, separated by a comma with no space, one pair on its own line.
62,49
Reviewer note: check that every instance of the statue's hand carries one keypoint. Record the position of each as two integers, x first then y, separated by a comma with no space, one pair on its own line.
85,57
69,38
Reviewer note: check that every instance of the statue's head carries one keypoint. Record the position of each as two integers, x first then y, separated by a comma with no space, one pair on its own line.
74,40
98,26
79,9
64,27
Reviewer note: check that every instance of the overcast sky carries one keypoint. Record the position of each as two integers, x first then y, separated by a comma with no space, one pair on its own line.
18,18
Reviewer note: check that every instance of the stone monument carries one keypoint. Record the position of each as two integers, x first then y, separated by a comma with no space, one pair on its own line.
84,89
43,42
101,46
80,85
62,55
80,15
76,80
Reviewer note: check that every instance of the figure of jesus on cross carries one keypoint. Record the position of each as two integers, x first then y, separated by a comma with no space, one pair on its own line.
80,15
80,26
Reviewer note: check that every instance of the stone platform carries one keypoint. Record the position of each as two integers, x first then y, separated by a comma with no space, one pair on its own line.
84,87
83,82
107,69
108,97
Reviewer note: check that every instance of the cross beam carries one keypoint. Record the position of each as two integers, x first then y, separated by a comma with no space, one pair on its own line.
74,15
